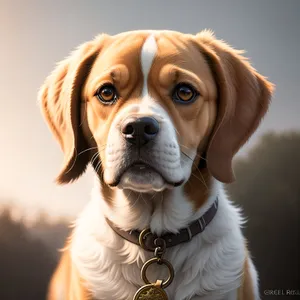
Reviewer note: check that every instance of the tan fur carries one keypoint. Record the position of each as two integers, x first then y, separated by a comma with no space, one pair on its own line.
245,292
67,282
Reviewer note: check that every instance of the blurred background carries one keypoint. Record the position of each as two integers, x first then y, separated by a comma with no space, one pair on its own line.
35,213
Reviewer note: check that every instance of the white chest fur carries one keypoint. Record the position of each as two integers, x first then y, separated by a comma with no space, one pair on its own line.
207,267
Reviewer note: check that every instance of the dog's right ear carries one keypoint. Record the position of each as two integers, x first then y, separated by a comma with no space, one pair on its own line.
60,100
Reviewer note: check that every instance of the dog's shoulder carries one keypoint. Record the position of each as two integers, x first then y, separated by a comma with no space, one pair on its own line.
66,284
249,288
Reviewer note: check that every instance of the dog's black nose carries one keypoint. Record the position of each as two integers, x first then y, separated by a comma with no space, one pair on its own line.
139,131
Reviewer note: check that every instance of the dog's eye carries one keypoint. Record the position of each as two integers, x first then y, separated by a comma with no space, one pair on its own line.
184,93
107,94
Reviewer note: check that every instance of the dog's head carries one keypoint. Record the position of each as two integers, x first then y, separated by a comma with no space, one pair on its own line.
145,106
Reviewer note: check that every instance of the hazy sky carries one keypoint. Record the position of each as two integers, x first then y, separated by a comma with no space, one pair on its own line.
37,34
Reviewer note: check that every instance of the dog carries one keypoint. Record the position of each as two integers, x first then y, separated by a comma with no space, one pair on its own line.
159,115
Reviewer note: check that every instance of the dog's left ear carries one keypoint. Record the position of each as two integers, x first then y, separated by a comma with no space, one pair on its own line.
243,99
60,100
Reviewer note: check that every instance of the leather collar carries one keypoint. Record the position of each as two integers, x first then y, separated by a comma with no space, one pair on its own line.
146,239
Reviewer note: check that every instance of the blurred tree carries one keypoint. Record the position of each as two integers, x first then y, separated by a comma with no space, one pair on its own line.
52,234
268,190
26,264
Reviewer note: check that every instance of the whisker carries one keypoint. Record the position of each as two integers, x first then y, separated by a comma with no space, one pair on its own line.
204,182
129,205
102,147
197,155
186,155
97,154
146,203
86,150
135,202
153,196
94,157
200,180
98,166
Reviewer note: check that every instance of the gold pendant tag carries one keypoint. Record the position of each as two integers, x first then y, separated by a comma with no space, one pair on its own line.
151,292
154,291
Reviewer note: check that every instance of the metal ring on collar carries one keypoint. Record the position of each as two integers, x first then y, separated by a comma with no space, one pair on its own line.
165,283
142,238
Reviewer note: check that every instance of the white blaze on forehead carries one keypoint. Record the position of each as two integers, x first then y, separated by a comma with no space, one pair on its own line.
148,53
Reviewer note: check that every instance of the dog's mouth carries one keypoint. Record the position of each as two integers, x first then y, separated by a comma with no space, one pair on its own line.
142,177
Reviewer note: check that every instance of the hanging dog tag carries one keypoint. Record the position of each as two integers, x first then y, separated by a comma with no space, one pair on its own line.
151,292
154,291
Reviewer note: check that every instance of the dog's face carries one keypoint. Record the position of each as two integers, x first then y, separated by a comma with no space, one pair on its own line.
149,107
146,105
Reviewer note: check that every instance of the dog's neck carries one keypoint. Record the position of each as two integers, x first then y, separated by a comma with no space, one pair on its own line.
166,211
111,265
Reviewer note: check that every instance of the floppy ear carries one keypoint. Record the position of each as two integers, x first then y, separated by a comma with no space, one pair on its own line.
243,99
60,100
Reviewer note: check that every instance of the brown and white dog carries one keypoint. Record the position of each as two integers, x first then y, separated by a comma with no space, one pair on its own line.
160,115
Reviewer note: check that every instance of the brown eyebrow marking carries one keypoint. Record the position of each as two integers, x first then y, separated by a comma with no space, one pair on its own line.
171,74
118,74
